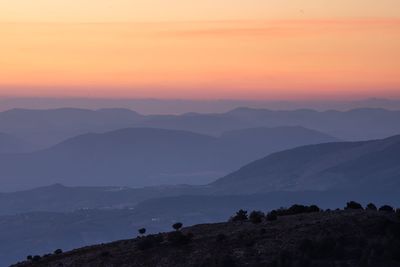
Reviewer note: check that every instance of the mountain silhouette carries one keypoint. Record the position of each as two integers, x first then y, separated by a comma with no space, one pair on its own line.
148,156
369,165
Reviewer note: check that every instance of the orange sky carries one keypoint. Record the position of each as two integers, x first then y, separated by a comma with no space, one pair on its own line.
286,49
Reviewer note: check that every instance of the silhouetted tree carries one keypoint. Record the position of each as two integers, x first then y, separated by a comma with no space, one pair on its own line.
256,216
177,226
314,208
386,208
58,251
29,257
36,258
352,205
142,231
240,216
371,206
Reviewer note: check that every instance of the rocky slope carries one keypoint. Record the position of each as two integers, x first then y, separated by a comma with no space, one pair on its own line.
330,238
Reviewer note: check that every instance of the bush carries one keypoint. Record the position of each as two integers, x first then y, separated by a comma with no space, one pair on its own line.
386,208
352,205
272,216
36,258
314,208
240,216
29,257
177,226
256,217
371,206
142,231
58,251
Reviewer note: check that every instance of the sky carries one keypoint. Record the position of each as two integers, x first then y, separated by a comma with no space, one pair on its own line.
210,49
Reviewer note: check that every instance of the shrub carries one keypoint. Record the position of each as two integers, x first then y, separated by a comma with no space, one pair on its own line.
256,217
36,258
29,257
371,206
314,208
297,209
352,205
142,231
58,251
177,226
386,208
272,216
240,216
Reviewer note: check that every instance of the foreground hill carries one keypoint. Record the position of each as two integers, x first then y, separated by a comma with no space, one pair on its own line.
148,156
366,166
340,238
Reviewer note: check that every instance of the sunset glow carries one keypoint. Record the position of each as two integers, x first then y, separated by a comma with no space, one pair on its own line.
212,49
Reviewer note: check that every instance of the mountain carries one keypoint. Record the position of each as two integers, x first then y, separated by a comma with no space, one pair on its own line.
352,125
367,166
341,238
12,144
148,156
47,127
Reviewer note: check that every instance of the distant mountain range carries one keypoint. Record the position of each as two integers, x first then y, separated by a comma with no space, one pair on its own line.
328,174
148,156
45,128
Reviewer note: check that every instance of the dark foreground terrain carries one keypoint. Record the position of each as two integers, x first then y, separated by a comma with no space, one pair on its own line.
329,238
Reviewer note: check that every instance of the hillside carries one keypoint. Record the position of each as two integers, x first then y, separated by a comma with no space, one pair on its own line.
331,238
367,166
148,156
12,144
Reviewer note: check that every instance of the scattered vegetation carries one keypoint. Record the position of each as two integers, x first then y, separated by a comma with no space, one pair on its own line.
142,231
330,238
272,216
386,208
240,216
371,206
177,238
352,205
150,241
256,217
177,226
